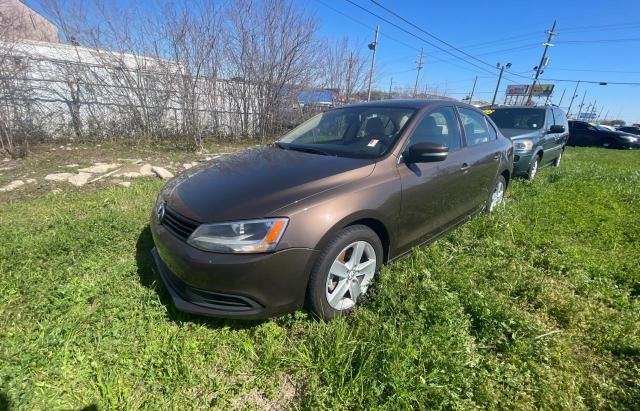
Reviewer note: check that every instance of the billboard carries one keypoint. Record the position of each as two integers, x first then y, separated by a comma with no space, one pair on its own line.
517,90
543,90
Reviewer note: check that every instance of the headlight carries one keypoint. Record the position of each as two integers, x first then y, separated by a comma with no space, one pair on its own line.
250,236
629,139
523,145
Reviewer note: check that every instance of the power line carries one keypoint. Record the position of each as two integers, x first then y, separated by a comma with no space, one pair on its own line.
627,40
597,71
418,37
429,34
367,26
602,83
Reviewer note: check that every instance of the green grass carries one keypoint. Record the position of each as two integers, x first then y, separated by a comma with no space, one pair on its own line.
534,307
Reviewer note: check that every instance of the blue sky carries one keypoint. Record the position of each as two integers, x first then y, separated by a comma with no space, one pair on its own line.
597,41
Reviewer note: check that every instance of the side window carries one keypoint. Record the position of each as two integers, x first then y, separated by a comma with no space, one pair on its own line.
476,130
439,127
548,121
492,130
561,119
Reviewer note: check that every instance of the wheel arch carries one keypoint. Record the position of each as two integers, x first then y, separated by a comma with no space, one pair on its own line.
378,224
507,176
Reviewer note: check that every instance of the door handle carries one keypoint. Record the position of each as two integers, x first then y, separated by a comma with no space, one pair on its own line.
464,167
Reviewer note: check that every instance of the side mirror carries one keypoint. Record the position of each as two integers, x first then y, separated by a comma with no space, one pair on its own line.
556,129
426,153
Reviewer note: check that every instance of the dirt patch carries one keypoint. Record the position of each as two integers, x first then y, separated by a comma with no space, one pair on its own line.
65,168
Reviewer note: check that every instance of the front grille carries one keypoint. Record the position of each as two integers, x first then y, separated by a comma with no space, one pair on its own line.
179,225
223,302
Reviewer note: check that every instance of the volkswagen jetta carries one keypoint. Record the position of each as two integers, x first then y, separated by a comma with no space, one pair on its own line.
313,217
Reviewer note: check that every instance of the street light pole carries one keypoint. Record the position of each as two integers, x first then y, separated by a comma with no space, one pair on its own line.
542,60
473,89
501,67
372,46
562,97
582,104
572,98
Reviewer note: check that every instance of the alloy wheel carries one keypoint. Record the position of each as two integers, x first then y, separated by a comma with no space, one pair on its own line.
497,197
350,275
558,160
534,169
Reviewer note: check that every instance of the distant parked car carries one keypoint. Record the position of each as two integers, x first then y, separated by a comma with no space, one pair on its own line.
539,135
585,134
630,130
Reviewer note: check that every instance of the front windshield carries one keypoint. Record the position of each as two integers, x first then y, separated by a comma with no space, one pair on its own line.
365,132
520,118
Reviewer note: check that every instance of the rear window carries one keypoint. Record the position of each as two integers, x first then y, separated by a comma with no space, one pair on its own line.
520,118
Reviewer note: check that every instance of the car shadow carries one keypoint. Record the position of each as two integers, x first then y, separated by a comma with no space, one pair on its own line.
150,278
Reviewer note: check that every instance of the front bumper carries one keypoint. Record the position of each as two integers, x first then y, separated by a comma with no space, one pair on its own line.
521,163
231,285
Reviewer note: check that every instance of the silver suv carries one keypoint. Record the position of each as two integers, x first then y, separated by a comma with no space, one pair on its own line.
539,135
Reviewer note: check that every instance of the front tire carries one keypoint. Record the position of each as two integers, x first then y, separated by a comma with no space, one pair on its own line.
344,271
533,168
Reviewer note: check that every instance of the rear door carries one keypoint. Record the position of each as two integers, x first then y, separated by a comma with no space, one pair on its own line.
482,156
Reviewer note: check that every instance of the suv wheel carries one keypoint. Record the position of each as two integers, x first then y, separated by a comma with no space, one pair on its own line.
344,271
558,159
533,168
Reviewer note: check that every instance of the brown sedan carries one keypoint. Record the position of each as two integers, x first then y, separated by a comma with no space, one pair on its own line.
313,217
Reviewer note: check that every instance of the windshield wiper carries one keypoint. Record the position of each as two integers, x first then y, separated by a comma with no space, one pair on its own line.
305,149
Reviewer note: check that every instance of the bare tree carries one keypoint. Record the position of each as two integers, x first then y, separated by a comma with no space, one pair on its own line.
344,67
272,48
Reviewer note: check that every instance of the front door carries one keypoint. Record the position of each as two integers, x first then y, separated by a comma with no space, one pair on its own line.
430,191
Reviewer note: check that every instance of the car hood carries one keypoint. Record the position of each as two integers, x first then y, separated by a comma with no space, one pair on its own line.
254,183
516,133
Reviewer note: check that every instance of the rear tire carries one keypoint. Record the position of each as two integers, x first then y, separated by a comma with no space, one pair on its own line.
556,162
496,199
344,271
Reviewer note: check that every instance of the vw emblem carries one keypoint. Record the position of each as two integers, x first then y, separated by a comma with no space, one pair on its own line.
160,210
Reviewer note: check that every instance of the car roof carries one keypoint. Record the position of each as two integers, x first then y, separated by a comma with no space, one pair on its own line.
522,107
408,103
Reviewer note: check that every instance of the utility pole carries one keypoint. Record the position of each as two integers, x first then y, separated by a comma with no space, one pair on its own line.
473,89
600,114
418,68
501,67
606,115
390,85
542,60
372,46
572,98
